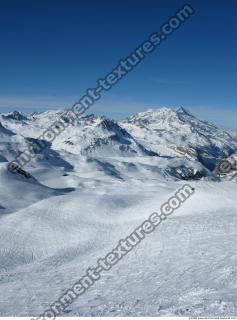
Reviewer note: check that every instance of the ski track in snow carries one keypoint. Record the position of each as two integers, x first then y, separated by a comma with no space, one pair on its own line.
187,266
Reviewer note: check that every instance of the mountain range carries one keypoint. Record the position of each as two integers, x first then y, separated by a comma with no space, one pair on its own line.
93,185
166,143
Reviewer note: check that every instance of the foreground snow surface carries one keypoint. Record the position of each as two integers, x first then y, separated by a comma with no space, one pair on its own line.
187,266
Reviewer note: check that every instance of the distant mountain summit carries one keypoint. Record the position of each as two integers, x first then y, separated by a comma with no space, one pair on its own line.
160,142
176,132
15,115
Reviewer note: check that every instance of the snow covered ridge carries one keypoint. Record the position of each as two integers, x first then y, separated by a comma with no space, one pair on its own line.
94,185
172,143
178,133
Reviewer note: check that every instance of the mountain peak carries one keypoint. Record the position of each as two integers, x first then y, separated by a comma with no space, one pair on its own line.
15,115
182,110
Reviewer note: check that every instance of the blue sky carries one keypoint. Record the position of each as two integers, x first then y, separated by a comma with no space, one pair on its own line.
52,51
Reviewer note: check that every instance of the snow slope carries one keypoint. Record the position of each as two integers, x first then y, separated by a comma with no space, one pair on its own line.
91,187
18,191
186,267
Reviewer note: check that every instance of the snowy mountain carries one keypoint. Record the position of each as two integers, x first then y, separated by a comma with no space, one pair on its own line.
93,185
96,136
178,133
163,142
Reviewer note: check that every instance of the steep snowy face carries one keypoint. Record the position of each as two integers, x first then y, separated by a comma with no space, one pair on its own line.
5,132
15,115
178,133
9,144
12,143
91,136
29,125
98,136
165,134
